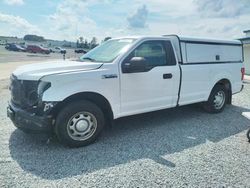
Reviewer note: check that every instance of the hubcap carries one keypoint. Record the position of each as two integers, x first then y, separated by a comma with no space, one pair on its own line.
219,100
82,126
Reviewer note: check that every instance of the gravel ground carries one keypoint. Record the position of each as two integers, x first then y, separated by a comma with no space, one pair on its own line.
182,147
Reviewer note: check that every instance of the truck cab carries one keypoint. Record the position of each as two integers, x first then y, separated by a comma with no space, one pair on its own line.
122,77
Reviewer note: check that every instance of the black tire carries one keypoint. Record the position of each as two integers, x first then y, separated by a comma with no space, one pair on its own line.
64,120
248,135
210,106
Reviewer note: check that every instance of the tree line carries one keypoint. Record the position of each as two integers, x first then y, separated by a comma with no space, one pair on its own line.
84,43
80,43
34,38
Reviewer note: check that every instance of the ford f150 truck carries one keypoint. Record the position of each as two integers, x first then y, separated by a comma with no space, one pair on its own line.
123,77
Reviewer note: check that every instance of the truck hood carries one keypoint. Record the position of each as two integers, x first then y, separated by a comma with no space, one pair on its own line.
37,70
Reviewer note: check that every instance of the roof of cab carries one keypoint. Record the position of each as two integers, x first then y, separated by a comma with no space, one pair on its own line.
187,39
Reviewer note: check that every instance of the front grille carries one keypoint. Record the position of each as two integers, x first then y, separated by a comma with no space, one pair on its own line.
23,92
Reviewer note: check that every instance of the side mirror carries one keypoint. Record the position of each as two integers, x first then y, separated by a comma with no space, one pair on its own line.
136,64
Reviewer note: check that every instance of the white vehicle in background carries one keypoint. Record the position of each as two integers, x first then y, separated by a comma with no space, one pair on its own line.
123,77
58,50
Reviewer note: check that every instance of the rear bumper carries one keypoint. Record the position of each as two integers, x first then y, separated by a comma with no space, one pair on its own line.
29,122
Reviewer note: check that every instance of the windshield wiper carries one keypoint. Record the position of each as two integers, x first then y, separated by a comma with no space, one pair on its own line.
89,58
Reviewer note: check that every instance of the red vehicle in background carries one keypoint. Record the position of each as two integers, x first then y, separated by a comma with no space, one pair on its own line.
37,49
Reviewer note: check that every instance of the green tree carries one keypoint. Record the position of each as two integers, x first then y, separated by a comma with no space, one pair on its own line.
93,43
34,38
77,43
86,44
80,42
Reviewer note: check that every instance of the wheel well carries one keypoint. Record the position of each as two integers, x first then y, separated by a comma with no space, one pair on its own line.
227,84
95,98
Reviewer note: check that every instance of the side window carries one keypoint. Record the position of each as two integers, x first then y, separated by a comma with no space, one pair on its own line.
153,52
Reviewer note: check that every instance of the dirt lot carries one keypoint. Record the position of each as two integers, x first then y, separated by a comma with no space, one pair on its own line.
182,147
10,60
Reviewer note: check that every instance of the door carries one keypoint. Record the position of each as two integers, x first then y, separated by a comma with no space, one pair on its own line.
157,86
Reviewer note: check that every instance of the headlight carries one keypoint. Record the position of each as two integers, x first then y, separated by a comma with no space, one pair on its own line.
42,87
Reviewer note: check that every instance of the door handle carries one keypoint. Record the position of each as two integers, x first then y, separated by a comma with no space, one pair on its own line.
167,76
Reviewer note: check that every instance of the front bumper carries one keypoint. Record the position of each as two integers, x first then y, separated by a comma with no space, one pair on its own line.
29,122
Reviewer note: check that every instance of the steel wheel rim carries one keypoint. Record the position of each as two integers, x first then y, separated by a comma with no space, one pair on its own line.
219,100
82,126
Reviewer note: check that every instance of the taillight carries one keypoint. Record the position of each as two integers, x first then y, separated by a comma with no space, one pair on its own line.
242,73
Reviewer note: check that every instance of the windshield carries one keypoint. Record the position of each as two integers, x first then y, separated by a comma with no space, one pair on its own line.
108,51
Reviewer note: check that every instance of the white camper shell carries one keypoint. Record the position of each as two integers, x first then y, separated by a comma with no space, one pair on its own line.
202,50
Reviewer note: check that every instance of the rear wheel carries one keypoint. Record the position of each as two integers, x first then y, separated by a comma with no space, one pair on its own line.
217,100
248,135
79,124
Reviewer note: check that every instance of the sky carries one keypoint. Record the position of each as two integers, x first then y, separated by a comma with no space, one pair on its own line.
70,19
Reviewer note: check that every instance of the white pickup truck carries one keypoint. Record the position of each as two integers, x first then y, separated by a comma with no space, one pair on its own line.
123,77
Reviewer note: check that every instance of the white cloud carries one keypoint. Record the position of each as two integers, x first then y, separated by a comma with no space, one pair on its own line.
204,18
86,18
139,18
14,2
171,8
15,25
70,21
222,8
227,28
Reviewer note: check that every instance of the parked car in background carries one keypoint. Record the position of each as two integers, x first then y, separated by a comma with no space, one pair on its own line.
80,51
52,50
37,49
15,47
58,50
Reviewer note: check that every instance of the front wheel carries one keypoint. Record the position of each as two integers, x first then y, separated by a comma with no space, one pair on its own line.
79,124
217,100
